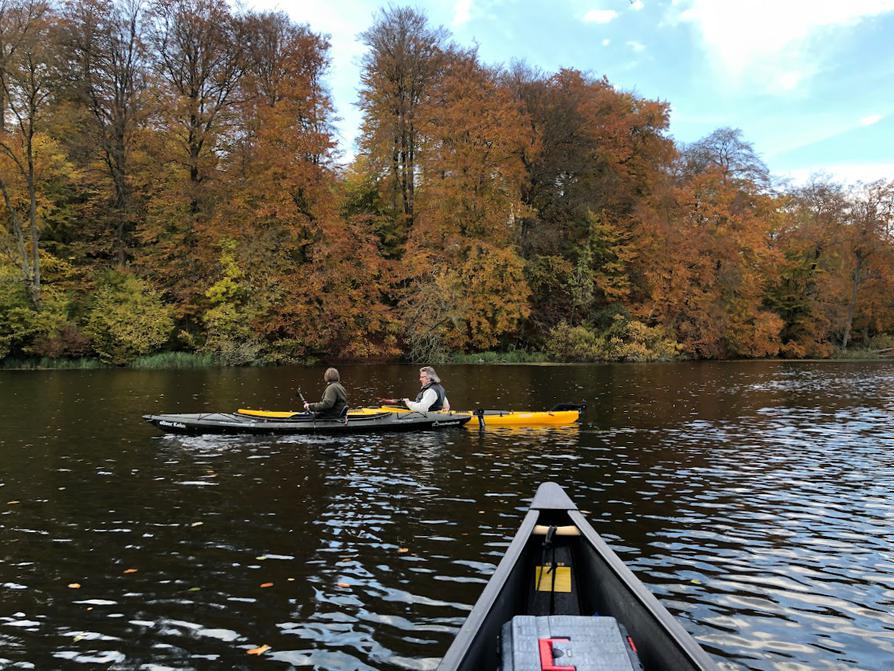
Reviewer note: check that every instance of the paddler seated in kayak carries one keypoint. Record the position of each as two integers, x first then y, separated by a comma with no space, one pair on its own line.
431,398
335,398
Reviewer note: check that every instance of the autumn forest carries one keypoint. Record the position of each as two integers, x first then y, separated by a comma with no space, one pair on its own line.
171,182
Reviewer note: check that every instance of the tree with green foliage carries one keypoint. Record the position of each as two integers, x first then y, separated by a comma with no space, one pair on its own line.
127,318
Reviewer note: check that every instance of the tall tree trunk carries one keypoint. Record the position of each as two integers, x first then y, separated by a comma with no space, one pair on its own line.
32,219
17,234
856,280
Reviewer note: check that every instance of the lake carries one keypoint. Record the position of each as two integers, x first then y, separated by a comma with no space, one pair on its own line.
755,499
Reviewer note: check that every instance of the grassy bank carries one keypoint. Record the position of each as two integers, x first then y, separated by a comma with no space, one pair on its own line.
175,360
512,356
169,360
153,361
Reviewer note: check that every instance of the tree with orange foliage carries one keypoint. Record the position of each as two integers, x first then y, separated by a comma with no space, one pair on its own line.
808,284
710,263
868,240
303,264
469,200
403,62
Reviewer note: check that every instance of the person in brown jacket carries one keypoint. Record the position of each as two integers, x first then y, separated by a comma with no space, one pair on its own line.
335,398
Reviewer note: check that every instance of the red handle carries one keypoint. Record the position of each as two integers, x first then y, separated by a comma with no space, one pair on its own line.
547,663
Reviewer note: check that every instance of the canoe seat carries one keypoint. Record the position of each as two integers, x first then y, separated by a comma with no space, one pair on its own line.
566,643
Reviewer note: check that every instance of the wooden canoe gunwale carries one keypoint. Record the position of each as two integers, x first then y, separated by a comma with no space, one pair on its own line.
662,641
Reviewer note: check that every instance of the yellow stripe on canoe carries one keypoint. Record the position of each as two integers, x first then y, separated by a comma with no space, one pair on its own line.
491,417
274,414
285,414
499,418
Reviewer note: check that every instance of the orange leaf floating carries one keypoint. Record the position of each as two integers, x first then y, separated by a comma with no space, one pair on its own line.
130,570
344,584
266,584
402,550
74,585
260,650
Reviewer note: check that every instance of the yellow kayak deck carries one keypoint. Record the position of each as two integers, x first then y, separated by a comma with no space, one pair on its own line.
490,417
500,417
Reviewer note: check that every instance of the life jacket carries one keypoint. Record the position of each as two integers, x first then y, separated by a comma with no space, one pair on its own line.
439,390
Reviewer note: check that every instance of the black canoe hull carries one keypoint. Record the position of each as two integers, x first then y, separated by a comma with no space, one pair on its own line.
233,423
605,586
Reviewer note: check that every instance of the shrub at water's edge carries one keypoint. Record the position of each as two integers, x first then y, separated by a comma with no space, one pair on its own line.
127,319
46,363
624,340
175,360
511,356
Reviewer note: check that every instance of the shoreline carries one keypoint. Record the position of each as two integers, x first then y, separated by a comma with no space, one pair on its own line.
186,361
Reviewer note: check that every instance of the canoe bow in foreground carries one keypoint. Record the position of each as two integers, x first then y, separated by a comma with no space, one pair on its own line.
597,582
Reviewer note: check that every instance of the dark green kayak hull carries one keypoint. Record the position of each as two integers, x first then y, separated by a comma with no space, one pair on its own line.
234,423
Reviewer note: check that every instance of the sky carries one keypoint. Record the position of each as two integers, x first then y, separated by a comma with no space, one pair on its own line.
810,83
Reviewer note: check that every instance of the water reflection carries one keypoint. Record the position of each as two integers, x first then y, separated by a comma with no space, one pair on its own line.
754,499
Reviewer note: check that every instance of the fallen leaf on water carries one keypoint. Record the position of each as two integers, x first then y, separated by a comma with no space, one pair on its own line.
261,557
260,650
695,582
130,570
194,589
74,585
266,584
12,503
402,550
344,584
196,524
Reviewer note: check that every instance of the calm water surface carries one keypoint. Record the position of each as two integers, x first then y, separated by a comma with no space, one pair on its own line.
755,499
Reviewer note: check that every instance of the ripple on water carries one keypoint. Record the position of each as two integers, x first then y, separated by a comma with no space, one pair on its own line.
757,501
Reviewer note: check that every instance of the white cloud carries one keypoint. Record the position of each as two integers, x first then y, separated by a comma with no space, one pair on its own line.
637,5
771,43
606,42
600,16
342,22
871,119
462,12
636,47
845,173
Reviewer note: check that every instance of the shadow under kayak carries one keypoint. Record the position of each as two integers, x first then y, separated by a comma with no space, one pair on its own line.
223,422
558,589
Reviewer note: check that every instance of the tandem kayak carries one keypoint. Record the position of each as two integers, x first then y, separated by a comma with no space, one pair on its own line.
246,421
560,415
558,590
